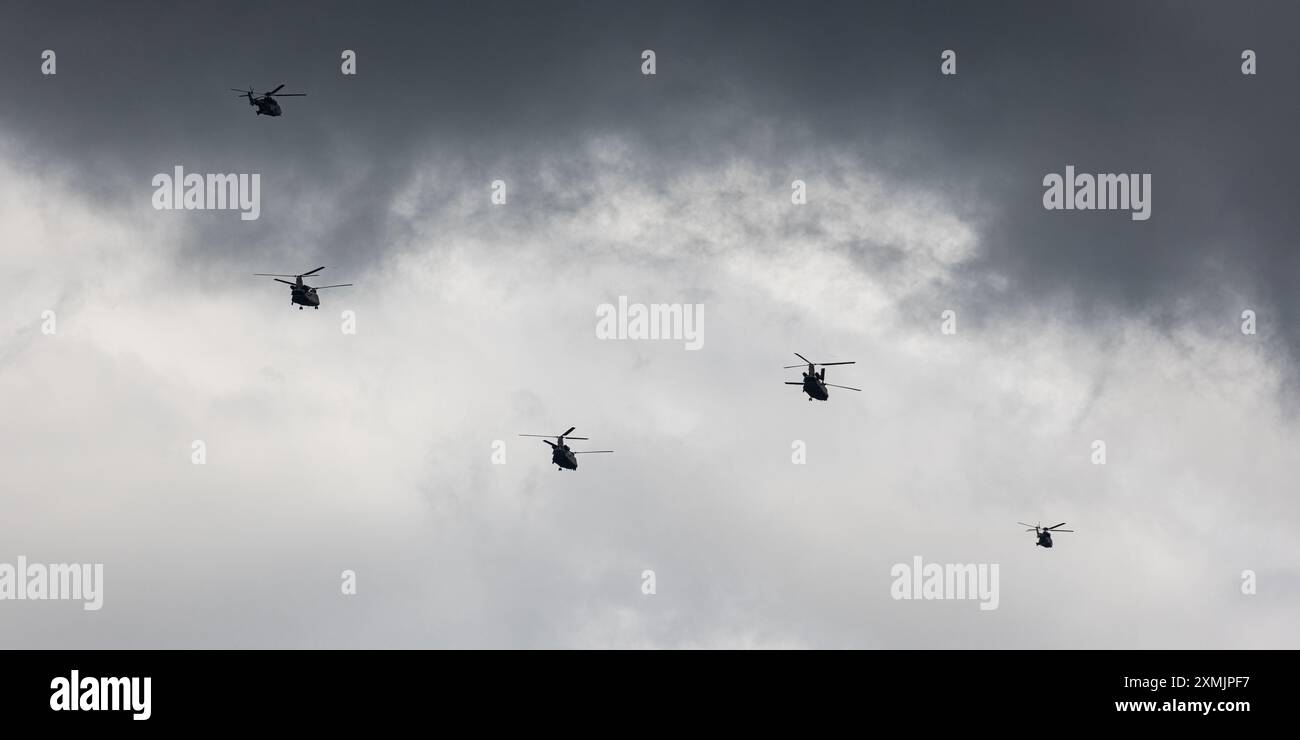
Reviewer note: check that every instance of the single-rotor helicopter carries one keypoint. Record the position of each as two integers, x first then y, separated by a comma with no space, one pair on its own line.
299,292
265,103
814,381
561,455
1044,533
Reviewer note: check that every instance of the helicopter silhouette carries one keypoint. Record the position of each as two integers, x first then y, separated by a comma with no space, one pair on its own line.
561,455
265,103
814,381
1044,533
299,292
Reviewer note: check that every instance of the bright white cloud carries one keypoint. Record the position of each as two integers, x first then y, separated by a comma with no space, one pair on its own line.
372,452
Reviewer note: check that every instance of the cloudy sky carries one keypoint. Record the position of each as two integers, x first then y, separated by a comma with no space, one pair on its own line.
372,451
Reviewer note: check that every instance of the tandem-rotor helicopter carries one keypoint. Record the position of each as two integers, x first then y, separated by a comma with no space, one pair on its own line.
814,381
1044,533
265,103
299,292
561,455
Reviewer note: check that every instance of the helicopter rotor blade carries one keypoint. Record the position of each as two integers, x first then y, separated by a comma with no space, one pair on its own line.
276,90
548,436
286,282
1061,530
805,359
567,433
313,272
340,285
273,274
291,95
1054,526
793,382
845,387
591,452
820,364
1023,524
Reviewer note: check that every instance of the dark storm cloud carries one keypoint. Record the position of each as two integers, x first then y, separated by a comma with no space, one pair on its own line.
482,89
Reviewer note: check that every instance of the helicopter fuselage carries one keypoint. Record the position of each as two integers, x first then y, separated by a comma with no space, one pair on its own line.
304,296
266,106
1044,539
564,457
815,388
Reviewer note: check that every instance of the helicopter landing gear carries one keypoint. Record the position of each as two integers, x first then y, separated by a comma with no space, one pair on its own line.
316,307
300,308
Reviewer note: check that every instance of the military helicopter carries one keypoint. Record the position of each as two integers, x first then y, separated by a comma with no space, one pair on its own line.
561,455
1044,533
265,104
814,382
299,292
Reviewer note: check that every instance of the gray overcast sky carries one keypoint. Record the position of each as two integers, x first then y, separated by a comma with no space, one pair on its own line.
372,452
